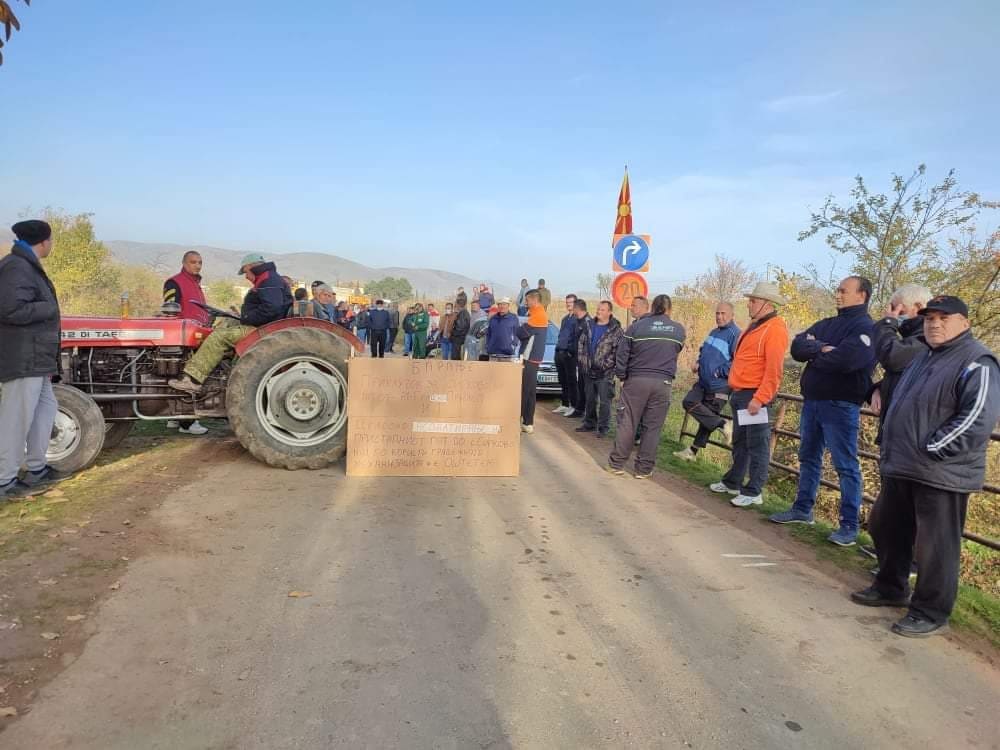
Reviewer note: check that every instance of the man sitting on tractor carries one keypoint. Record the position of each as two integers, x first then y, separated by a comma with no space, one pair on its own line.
266,302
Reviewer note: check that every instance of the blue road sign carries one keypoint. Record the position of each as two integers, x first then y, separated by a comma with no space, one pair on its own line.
631,252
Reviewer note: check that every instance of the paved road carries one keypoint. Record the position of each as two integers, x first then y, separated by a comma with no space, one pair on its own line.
563,609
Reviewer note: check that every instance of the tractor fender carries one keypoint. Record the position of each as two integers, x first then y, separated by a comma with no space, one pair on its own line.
245,343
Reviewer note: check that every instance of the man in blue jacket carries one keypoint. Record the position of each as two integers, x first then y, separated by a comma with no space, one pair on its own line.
839,356
265,303
934,444
501,333
706,398
566,357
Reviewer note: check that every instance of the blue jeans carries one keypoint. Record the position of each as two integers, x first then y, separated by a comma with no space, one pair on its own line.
833,425
445,349
407,343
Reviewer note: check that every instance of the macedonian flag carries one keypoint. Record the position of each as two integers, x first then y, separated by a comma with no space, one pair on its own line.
623,224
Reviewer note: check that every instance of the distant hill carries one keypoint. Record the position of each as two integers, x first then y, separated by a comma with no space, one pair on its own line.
221,263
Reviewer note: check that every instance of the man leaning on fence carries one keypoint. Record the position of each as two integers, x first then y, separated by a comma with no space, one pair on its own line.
709,394
839,356
754,378
934,447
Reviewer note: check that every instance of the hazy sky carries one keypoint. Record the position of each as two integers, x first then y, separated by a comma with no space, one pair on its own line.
489,138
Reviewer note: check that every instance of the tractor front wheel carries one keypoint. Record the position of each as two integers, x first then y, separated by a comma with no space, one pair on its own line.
78,431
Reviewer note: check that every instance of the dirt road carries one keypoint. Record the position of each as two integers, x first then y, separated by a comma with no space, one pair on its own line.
563,609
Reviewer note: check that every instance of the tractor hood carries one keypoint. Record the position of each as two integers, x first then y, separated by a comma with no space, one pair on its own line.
141,332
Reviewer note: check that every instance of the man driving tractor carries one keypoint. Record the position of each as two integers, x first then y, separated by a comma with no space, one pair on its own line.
266,302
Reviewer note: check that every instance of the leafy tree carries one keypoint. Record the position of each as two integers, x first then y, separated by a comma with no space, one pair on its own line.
807,302
87,281
222,294
9,21
894,238
389,287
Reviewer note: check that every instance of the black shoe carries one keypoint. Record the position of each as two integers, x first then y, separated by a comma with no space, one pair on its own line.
584,428
10,489
872,597
47,475
914,626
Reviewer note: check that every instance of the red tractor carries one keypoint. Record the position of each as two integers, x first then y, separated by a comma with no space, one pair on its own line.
283,390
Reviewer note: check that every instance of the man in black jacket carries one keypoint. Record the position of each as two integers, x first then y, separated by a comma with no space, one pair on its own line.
898,341
378,329
29,330
596,349
266,302
933,456
393,326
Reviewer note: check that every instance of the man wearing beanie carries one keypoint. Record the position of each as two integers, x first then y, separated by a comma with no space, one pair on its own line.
29,329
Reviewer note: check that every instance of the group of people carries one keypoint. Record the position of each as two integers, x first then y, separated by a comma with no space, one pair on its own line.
938,400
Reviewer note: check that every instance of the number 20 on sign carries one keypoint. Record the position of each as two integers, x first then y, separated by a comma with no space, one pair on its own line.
628,285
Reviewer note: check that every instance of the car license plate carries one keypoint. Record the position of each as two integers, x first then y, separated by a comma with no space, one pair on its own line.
548,378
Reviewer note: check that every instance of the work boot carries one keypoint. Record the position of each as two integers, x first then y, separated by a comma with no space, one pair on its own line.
872,597
685,455
186,384
914,626
42,477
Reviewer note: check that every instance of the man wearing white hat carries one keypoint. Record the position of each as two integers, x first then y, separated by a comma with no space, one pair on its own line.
754,378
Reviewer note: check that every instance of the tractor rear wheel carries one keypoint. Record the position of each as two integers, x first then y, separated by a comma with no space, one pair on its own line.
115,432
287,398
78,432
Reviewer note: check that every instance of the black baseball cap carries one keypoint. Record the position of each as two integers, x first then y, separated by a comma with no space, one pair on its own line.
946,304
316,283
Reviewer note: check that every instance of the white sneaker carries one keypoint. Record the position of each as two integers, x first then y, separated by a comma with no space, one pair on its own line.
720,487
196,428
173,424
685,455
742,501
559,409
527,428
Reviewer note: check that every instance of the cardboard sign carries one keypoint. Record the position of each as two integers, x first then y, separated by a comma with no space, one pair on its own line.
433,418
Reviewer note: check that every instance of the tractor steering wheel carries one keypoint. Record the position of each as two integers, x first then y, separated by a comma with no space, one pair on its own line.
215,312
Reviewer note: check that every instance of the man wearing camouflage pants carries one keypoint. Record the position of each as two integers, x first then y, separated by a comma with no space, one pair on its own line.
646,363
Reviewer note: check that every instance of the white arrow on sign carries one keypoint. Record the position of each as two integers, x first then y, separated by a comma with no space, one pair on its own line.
633,247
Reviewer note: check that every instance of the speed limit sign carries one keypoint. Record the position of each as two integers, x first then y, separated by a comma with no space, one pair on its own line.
628,285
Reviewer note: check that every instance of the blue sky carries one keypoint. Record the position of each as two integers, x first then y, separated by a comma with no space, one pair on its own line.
489,139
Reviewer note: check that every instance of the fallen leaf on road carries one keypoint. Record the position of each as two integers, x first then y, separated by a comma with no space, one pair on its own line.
38,518
299,594
50,636
54,493
115,586
75,618
70,531
55,500
49,582
8,711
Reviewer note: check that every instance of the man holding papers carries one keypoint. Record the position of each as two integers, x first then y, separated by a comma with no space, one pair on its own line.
754,378
839,356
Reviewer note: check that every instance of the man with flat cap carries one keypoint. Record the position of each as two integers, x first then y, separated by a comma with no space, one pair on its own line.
29,330
934,445
266,302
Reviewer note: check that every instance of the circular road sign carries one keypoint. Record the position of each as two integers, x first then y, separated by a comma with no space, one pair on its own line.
631,252
628,285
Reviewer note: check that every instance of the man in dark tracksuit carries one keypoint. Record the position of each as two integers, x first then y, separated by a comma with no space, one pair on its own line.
596,352
933,455
709,394
837,378
29,330
646,363
532,335
460,330
378,327
579,399
566,358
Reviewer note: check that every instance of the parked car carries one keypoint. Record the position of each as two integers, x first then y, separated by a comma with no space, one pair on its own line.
548,377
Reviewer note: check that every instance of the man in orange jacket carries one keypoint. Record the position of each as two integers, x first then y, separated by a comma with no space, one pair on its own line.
754,378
